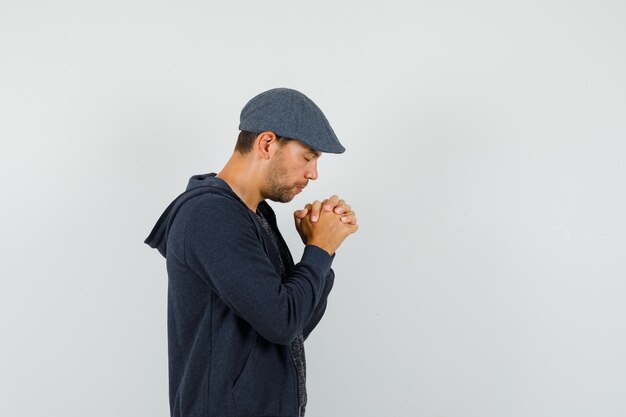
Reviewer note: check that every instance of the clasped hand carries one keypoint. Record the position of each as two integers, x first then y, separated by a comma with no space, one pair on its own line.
333,204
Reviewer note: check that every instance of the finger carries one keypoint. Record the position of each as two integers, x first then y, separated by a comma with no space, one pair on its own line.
308,208
349,218
331,203
301,213
343,207
315,210
351,214
297,220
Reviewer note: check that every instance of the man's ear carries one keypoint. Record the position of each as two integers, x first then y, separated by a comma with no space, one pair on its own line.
265,141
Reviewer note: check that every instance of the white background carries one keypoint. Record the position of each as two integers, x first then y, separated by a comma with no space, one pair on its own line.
485,160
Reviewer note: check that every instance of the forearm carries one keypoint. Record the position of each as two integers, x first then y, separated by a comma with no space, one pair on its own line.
255,292
320,309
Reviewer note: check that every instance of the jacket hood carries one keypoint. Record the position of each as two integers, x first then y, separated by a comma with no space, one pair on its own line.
197,185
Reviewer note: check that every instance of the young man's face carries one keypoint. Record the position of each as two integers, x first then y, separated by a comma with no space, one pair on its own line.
290,170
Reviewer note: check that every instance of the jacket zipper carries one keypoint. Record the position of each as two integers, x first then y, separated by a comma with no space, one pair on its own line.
295,369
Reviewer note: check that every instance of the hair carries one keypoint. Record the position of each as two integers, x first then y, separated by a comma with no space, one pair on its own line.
245,141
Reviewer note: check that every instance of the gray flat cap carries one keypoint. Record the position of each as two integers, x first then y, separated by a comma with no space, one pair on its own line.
290,114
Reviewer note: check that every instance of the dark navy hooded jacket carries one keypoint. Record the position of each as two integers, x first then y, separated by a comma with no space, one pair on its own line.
230,318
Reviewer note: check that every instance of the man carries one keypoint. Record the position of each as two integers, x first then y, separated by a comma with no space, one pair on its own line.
239,309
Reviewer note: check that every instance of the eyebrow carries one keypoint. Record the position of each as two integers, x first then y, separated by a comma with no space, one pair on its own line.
318,154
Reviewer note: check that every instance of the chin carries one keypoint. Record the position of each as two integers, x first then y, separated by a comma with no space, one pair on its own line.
282,198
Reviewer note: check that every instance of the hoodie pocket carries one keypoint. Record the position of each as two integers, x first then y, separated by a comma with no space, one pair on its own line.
267,386
248,368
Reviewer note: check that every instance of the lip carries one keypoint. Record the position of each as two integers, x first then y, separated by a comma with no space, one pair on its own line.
299,188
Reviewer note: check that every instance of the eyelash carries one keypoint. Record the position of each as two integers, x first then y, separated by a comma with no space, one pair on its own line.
308,160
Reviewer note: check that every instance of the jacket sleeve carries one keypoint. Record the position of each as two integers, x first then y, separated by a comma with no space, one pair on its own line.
223,248
321,306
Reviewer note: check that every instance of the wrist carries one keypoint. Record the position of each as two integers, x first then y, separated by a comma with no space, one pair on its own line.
330,251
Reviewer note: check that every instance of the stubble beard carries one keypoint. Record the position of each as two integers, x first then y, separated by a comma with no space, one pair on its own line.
276,189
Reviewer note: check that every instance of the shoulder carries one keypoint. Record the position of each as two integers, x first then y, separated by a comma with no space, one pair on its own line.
214,226
213,206
210,220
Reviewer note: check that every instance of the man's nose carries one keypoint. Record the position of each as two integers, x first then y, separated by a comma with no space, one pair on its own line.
312,172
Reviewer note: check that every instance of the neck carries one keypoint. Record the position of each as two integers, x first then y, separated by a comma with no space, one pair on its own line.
244,178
